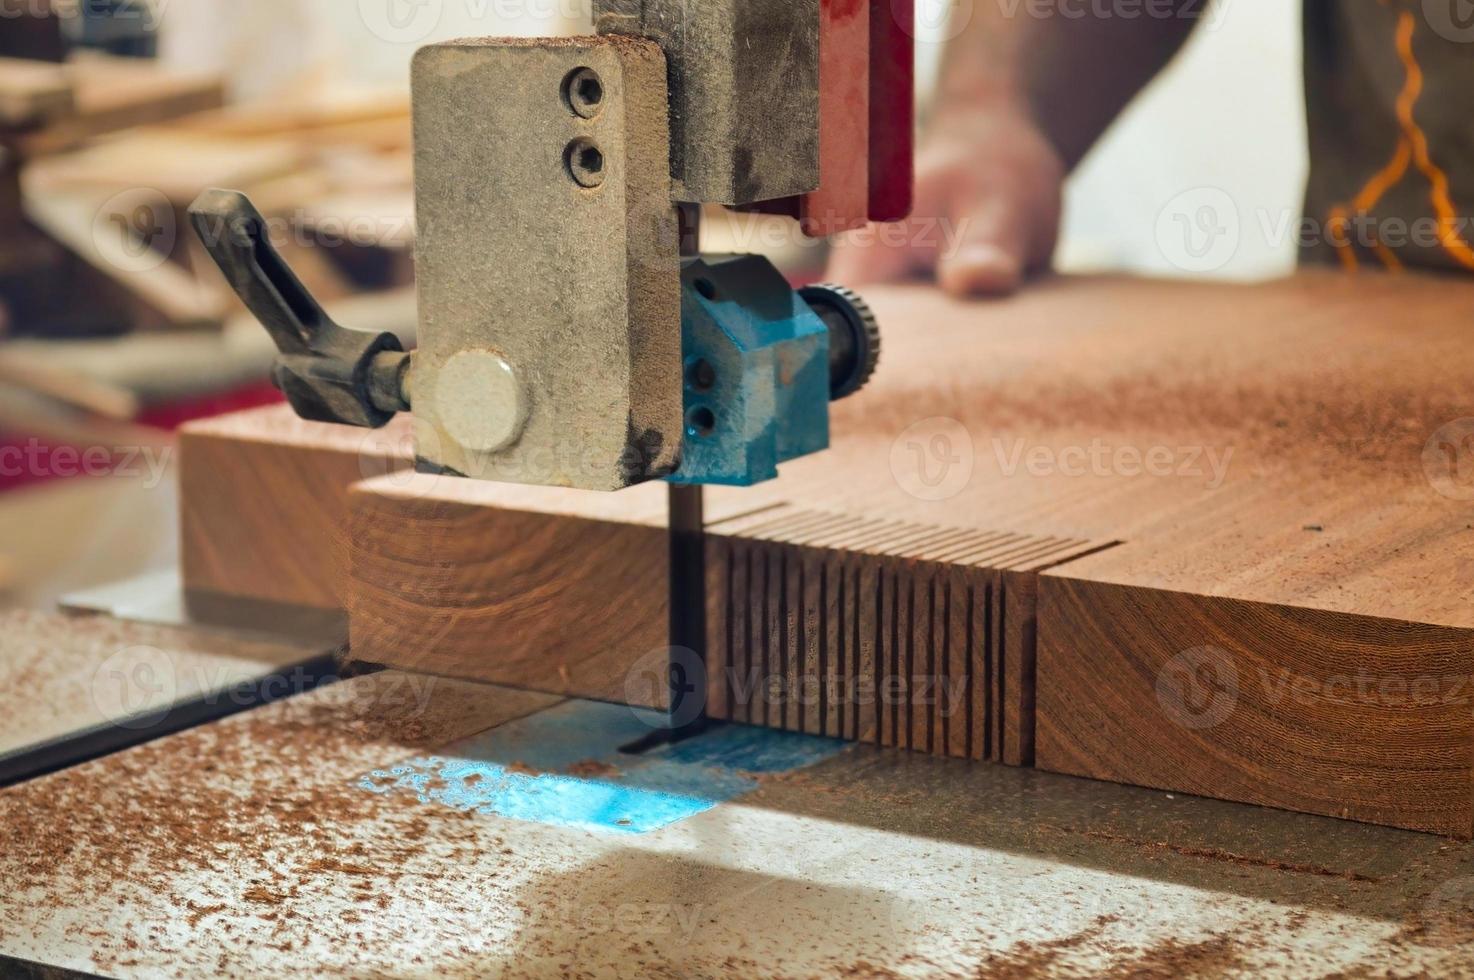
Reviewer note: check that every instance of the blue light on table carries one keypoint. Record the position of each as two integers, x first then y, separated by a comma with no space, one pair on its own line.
521,770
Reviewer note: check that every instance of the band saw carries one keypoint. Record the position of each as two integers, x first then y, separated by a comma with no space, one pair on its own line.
571,332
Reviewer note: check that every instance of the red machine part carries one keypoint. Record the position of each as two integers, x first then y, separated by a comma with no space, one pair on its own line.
866,119
842,201
892,108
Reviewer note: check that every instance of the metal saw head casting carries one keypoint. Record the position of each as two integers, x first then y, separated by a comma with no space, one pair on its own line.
569,334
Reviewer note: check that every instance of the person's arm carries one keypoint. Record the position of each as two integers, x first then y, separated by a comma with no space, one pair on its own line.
1026,89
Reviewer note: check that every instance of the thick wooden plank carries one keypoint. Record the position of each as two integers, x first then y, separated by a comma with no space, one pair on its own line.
264,502
563,591
1310,710
1293,446
1296,445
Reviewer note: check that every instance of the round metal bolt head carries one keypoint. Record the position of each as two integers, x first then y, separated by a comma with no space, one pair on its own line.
585,163
583,91
481,400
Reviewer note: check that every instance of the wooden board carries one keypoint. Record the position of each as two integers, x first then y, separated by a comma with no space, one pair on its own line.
1272,472
111,94
264,502
890,632
1271,458
563,591
32,92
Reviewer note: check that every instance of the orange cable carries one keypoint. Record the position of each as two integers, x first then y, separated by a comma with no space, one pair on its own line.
1448,233
1412,146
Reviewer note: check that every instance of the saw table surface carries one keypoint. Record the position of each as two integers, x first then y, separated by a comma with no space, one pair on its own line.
402,825
78,687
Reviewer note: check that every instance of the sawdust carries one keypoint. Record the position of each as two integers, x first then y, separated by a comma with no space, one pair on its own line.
1218,854
1173,958
1030,959
865,970
208,806
1306,374
295,863
341,867
196,914
56,669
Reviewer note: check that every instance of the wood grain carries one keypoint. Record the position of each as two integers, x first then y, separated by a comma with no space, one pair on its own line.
560,591
887,632
264,503
1323,712
1308,459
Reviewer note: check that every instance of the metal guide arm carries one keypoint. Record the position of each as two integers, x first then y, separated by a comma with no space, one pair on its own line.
328,372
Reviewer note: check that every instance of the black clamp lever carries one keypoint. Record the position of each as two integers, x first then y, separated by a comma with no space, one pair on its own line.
328,372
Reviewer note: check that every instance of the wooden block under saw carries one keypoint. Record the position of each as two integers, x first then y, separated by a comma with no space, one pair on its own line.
264,502
555,590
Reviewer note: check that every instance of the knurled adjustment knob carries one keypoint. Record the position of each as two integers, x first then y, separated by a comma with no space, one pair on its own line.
854,336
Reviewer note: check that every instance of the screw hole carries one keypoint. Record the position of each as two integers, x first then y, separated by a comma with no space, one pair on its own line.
706,288
583,92
701,376
585,163
701,421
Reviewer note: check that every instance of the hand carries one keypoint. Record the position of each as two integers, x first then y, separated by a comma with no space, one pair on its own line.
988,201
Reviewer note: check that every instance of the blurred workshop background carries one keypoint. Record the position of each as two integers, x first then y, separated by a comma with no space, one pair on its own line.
114,114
